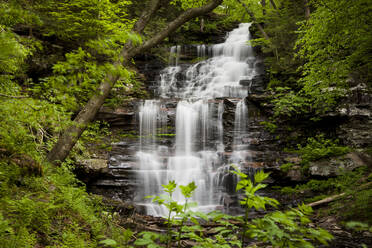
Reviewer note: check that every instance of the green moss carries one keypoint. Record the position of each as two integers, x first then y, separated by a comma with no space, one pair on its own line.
286,167
166,134
269,126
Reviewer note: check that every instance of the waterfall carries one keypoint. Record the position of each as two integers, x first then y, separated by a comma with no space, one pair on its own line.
219,76
239,154
197,153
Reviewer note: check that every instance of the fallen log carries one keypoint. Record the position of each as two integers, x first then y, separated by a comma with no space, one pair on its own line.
326,200
335,197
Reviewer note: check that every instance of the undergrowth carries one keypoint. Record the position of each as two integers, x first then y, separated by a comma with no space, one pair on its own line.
53,210
354,205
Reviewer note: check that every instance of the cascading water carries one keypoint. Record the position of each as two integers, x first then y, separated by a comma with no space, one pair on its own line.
218,76
198,153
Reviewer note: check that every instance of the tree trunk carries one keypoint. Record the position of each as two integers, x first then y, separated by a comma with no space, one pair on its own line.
273,4
146,16
307,9
250,13
263,4
71,135
202,25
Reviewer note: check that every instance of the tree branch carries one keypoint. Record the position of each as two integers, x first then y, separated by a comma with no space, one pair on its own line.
146,16
307,9
71,135
16,97
273,4
172,26
250,13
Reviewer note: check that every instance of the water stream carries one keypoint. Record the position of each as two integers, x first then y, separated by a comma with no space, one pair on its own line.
197,152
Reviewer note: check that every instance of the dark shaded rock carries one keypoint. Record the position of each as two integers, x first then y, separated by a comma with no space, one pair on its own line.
295,174
119,117
124,209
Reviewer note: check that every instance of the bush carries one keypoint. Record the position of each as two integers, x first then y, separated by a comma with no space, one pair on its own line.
319,147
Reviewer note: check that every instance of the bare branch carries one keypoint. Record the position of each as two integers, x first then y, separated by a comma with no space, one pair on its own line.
250,13
146,16
172,26
16,97
273,4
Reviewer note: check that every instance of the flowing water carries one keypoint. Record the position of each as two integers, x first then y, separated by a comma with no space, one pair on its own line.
198,151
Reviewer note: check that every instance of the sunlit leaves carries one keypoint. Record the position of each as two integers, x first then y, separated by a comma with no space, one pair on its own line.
287,229
85,20
187,4
12,52
336,44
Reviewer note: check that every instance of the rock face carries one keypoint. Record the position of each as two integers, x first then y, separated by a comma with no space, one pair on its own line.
119,117
351,124
356,131
335,166
118,179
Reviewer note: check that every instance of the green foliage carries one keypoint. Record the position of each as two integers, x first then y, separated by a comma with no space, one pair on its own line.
76,79
32,121
187,4
34,209
341,183
336,43
12,53
319,147
251,199
356,203
280,229
288,229
281,26
358,226
288,103
84,20
286,167
271,127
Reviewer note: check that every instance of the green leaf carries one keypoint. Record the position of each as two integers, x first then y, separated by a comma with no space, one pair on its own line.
108,242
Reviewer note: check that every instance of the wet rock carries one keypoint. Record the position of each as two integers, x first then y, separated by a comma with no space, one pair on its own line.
335,166
356,133
294,174
119,117
258,84
294,160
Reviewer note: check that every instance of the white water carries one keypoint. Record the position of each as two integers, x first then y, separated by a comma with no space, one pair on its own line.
198,152
218,76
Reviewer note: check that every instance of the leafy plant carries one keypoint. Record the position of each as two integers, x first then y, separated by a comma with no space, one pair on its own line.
288,229
251,199
319,147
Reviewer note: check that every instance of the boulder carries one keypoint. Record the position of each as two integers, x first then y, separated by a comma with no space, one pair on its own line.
335,166
90,169
295,174
94,165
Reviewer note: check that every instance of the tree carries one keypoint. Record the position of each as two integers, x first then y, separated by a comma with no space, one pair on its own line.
71,135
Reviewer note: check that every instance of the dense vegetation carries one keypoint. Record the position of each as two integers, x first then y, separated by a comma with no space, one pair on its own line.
54,55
